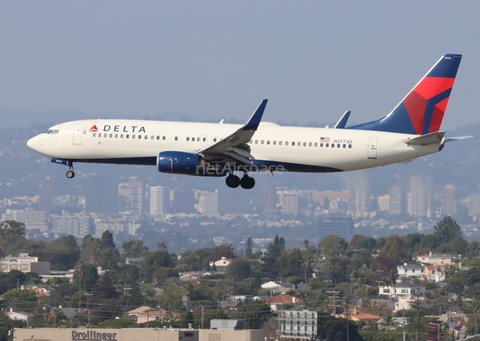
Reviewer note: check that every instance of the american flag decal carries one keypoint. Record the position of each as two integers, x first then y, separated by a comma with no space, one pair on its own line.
324,139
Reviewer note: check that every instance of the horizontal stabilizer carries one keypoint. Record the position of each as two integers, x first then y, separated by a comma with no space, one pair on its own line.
457,138
343,120
424,140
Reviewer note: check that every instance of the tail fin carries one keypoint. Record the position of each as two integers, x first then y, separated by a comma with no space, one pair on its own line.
421,111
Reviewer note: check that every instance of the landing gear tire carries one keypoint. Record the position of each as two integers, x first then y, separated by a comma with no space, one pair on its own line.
70,174
232,181
247,182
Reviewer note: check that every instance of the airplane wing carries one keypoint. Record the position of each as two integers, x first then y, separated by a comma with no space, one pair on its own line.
234,148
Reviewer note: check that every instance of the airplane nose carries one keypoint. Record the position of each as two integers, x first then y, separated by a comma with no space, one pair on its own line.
34,143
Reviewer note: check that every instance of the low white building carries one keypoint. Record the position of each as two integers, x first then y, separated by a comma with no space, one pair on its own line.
24,263
404,294
433,259
20,316
275,286
410,271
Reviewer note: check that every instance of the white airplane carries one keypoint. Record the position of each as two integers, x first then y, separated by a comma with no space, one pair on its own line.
409,131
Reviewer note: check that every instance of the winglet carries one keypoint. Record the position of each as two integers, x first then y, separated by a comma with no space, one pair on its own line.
343,120
256,117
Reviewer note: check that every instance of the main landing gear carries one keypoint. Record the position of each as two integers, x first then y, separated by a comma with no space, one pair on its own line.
234,181
70,173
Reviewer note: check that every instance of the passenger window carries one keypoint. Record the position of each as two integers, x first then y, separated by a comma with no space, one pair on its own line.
304,144
309,144
193,139
315,144
344,146
261,142
204,139
279,143
274,143
256,141
176,138
188,138
94,134
164,138
116,136
110,135
127,136
326,144
338,145
133,136
198,139
153,137
286,143
333,145
349,146
121,136
299,144
158,137
293,143
268,141
214,139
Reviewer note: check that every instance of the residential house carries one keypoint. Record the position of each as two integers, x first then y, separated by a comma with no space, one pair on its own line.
435,273
403,294
278,302
221,264
433,259
21,316
355,315
409,271
277,286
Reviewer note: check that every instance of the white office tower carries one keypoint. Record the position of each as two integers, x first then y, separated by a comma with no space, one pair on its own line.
208,203
159,202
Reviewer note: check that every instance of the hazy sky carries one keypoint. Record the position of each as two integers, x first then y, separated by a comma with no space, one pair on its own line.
211,59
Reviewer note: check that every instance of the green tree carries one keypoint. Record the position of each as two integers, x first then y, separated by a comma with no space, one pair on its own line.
107,240
254,313
62,253
289,263
335,329
238,269
86,273
396,249
332,245
152,261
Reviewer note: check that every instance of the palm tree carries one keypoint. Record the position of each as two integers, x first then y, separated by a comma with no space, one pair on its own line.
305,262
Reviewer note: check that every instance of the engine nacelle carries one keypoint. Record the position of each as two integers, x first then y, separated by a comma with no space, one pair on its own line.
178,162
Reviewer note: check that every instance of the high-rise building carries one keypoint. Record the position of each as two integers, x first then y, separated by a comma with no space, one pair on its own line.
32,219
76,225
342,227
159,200
208,203
418,200
45,198
449,201
397,201
288,201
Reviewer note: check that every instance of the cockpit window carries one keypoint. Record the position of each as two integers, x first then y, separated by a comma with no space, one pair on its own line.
52,131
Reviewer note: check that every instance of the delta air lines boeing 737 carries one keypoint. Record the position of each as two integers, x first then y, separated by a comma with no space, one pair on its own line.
409,131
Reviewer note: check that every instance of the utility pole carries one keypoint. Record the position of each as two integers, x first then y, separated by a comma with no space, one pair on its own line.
334,294
125,292
88,310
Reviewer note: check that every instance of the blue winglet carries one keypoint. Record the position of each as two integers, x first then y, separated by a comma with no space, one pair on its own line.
343,120
256,117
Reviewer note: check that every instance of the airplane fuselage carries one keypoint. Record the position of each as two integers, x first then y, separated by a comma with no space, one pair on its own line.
296,149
